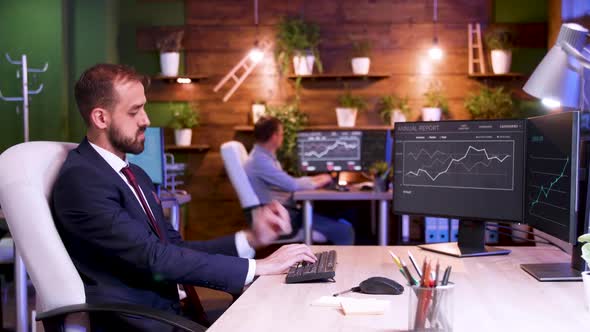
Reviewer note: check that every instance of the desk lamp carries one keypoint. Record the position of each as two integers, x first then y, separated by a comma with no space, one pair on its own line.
559,79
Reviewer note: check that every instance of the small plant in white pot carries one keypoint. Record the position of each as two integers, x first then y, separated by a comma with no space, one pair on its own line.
586,274
183,120
394,109
499,42
298,41
258,110
435,105
381,174
169,46
361,62
350,105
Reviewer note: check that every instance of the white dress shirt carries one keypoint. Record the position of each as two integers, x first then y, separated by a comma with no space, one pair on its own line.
242,246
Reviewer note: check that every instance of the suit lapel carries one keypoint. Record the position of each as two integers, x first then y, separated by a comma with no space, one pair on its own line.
134,208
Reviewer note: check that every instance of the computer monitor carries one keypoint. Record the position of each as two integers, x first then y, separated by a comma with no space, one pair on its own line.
552,194
472,170
151,160
342,150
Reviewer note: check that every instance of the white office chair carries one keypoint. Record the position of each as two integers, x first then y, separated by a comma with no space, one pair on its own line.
234,157
27,174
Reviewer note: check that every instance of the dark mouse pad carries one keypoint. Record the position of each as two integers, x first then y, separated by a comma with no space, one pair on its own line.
380,285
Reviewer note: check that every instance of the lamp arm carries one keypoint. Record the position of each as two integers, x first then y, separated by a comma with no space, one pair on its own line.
570,50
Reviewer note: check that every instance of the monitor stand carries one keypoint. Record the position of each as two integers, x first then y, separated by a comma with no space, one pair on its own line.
471,242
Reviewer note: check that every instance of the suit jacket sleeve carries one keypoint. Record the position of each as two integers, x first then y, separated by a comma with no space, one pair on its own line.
91,210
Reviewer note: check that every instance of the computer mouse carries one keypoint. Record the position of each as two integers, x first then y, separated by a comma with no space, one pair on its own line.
381,285
367,187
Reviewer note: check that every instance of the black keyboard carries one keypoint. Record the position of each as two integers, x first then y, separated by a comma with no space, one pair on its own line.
321,270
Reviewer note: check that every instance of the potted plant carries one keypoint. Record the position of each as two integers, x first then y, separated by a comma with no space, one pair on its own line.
350,105
435,105
586,256
258,109
360,58
381,175
183,120
169,46
490,103
293,120
298,41
499,41
394,109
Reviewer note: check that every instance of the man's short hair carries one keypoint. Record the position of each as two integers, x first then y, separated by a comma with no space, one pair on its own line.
96,87
265,127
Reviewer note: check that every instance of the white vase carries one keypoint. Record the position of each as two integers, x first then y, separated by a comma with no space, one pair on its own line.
431,114
586,279
346,116
360,66
169,62
501,60
397,116
257,112
182,137
303,64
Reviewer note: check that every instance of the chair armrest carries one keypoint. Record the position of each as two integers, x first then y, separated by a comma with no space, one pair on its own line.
159,315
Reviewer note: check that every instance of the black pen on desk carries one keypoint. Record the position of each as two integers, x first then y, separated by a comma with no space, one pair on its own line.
413,261
408,273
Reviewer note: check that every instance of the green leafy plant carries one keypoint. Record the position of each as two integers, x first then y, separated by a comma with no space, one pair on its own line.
388,104
296,37
435,98
499,39
490,103
380,169
361,48
170,41
348,100
293,120
586,247
183,117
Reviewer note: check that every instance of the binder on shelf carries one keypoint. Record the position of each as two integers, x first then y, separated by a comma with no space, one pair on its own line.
443,230
454,230
430,229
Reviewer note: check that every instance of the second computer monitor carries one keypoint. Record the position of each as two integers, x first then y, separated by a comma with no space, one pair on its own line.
342,150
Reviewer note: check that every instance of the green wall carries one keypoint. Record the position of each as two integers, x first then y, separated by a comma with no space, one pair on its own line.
35,28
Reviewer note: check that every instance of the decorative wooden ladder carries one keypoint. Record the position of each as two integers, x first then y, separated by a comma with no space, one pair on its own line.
240,72
476,63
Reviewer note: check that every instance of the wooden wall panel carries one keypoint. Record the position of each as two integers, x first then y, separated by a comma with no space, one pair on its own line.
219,33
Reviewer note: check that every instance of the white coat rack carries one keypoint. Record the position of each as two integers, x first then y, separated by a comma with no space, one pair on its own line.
20,272
24,75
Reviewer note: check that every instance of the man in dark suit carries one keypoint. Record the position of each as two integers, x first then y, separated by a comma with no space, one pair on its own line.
112,223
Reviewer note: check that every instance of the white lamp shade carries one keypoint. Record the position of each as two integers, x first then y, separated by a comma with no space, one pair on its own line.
557,77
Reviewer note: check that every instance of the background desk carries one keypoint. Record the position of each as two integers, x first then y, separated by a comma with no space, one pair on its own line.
492,294
308,196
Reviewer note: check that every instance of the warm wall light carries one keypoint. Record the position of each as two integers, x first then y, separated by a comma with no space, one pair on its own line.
183,80
435,52
256,54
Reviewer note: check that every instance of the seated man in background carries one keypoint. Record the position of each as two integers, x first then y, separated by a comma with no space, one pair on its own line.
111,221
271,182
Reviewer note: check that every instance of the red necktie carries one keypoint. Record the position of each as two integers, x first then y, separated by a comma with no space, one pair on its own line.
191,294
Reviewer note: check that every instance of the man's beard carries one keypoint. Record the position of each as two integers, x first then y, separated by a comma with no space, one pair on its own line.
126,144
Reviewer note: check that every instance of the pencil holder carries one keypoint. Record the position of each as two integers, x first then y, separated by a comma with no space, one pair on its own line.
431,309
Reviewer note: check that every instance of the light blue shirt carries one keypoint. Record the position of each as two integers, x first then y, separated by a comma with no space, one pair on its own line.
270,181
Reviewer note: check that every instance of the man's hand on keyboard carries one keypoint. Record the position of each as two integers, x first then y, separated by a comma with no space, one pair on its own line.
281,260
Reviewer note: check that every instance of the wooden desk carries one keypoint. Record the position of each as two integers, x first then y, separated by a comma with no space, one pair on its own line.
492,294
308,196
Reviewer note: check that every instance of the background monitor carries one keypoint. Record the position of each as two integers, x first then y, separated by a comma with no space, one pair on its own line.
342,150
552,195
151,160
473,170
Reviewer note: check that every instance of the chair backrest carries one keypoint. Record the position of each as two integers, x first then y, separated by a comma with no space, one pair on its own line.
234,157
27,174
